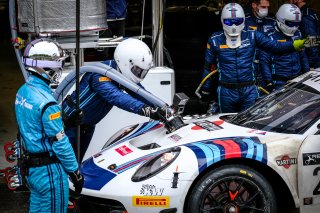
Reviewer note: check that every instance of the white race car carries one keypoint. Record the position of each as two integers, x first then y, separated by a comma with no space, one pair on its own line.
265,159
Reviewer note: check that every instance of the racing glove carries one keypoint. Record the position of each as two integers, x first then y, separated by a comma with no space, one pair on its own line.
77,180
153,113
299,44
270,86
205,96
75,119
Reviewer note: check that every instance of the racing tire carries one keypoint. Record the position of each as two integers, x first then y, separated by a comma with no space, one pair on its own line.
232,188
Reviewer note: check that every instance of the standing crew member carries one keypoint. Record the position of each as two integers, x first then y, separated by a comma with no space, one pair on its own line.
260,21
277,69
309,26
232,51
51,157
98,93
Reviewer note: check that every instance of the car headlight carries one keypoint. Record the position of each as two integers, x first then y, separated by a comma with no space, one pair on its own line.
120,134
156,164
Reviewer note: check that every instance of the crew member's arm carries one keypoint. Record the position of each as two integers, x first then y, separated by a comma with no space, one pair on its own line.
265,66
310,29
209,66
304,62
109,91
267,44
53,127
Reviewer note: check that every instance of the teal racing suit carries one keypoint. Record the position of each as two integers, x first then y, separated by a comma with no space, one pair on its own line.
41,129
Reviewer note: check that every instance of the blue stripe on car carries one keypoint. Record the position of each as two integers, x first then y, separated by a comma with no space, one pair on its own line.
95,176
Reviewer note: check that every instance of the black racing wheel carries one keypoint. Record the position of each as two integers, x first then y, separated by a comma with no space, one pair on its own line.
232,189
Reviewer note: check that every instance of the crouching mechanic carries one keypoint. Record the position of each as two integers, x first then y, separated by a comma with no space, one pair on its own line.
50,156
232,52
98,93
277,69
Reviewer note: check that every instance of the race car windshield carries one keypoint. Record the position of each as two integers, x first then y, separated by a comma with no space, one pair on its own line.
292,111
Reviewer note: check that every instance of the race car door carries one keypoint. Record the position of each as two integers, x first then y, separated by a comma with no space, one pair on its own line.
309,174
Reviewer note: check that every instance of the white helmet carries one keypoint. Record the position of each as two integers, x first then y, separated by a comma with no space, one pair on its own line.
232,18
45,57
288,18
134,59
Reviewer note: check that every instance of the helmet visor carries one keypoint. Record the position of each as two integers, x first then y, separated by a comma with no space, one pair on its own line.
233,21
291,23
139,72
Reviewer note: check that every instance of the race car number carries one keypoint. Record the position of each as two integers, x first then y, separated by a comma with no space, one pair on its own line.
316,191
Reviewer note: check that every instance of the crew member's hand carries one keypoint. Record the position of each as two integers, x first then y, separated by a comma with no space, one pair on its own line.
75,119
156,113
77,180
270,86
151,112
205,96
299,44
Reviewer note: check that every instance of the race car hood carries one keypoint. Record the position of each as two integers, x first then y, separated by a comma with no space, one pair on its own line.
150,139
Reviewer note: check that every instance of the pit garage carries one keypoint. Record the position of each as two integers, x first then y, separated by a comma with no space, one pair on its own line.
186,28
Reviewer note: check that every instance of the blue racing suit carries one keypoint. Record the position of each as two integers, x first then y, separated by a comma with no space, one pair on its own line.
265,26
309,27
41,129
237,90
279,68
98,94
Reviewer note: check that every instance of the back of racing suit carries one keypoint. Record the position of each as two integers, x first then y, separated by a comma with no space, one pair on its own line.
279,68
265,26
309,27
41,129
237,90
98,94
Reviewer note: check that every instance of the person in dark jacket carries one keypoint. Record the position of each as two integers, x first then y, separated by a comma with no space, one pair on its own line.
232,51
309,26
116,20
98,93
116,16
260,21
277,69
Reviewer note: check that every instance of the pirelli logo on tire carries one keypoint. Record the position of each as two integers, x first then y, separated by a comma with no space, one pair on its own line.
151,201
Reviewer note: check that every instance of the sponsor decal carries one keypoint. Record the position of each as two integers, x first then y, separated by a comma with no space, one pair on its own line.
23,103
112,166
60,135
224,46
311,158
208,46
55,116
151,201
123,150
207,125
244,172
253,27
307,201
151,190
101,79
257,132
283,40
245,43
175,137
286,161
101,160
97,155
